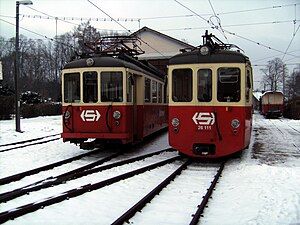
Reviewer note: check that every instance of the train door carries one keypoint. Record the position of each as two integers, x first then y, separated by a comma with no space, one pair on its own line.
132,97
134,102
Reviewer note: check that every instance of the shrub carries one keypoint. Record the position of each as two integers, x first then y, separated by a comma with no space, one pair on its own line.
43,109
7,107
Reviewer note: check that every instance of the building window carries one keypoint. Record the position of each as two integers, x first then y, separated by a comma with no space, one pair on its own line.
111,87
90,87
71,87
204,85
182,83
229,87
147,90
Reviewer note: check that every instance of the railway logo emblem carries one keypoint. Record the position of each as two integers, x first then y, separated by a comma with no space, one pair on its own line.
204,120
90,115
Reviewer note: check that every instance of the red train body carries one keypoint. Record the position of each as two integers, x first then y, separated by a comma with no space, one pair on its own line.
272,104
210,102
111,100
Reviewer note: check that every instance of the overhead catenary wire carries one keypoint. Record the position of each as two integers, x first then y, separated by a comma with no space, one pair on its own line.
72,18
288,64
234,34
157,17
273,56
230,25
57,18
258,43
38,34
192,11
169,29
294,34
124,27
109,16
258,9
63,19
218,19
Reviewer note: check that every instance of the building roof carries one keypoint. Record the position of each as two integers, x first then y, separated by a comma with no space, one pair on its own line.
143,29
158,45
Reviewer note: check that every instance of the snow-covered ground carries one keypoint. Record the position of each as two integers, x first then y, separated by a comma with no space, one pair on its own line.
261,187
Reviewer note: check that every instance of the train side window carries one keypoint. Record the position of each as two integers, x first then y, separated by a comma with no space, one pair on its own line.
111,87
129,87
147,90
204,85
229,85
159,93
154,91
248,86
90,87
71,87
182,84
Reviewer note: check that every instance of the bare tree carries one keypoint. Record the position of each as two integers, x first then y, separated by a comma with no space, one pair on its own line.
293,84
274,75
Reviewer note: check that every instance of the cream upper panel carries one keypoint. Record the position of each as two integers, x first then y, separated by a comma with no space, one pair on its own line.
139,78
98,70
213,68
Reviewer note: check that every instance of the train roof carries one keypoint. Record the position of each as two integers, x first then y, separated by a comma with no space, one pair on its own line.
109,61
220,56
272,92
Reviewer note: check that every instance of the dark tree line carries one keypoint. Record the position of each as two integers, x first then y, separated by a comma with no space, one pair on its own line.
41,61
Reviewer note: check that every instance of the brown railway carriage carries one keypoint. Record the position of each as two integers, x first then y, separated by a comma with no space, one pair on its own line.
272,104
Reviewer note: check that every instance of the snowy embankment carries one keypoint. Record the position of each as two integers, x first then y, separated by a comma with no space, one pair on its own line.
262,187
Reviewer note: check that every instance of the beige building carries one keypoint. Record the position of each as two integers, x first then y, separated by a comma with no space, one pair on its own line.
158,47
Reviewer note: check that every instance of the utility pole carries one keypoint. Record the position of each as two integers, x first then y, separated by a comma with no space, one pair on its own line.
56,18
283,79
17,66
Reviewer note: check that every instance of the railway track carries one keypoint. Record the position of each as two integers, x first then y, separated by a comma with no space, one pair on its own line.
33,206
30,142
286,133
138,207
296,130
19,176
70,175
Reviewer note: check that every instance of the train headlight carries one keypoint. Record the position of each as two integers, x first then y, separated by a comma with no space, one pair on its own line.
175,122
67,115
235,123
117,115
204,50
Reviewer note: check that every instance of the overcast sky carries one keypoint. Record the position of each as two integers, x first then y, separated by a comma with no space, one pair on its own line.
270,23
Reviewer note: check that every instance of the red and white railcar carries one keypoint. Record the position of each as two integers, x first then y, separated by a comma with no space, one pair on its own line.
112,99
210,100
272,104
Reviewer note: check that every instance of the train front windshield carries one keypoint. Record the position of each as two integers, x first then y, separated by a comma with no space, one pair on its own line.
71,88
228,82
111,87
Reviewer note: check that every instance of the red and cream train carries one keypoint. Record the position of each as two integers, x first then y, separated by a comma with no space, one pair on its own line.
112,99
119,99
210,100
